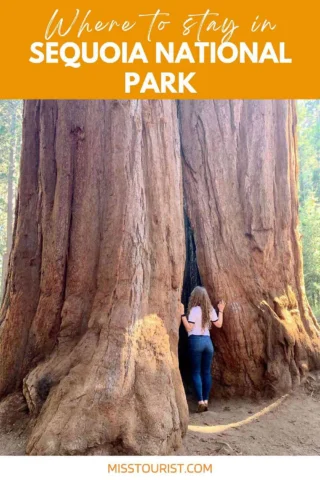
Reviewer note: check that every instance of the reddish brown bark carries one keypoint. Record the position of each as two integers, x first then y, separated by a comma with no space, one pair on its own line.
90,320
240,179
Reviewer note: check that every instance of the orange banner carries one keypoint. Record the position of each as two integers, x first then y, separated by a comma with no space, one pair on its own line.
148,49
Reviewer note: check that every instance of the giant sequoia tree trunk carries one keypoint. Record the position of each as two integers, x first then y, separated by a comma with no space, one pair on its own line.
240,177
90,315
89,322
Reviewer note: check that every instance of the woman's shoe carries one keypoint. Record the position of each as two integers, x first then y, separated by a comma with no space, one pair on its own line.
201,407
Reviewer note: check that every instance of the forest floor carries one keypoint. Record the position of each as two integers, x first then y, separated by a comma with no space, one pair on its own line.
288,425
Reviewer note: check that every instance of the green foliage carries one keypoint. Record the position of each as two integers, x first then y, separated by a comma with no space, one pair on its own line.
309,196
10,116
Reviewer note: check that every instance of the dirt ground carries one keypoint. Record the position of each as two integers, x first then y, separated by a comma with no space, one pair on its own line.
288,425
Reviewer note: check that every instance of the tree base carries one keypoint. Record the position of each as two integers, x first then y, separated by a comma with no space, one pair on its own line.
133,404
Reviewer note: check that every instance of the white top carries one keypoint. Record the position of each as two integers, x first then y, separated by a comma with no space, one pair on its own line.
195,316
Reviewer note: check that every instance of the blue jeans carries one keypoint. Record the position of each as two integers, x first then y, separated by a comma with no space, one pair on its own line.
201,351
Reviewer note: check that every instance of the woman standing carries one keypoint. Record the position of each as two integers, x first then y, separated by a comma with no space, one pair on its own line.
201,315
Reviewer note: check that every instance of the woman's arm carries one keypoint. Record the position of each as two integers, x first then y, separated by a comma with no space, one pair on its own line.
188,326
221,306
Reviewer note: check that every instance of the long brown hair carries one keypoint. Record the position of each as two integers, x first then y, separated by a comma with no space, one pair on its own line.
199,298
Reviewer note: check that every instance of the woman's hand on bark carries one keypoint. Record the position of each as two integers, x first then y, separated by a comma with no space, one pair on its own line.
181,309
221,305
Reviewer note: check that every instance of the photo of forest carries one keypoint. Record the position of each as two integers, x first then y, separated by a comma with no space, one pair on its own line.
160,277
